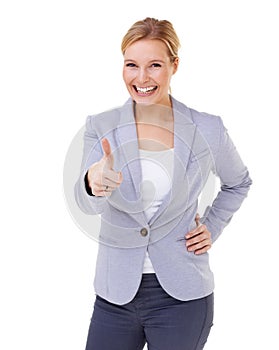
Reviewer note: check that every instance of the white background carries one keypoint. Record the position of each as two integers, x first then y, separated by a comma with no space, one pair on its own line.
60,61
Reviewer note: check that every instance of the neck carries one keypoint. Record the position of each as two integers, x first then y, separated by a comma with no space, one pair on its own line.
152,112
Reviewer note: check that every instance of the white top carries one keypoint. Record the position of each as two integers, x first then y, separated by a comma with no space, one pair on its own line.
157,173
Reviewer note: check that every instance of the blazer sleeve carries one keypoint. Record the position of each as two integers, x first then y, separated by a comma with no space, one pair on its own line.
235,184
92,152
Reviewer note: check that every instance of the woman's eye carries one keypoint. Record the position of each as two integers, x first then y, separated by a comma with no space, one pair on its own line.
130,65
156,65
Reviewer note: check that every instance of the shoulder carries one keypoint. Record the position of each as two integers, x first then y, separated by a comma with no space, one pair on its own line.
209,127
209,124
200,119
205,120
103,120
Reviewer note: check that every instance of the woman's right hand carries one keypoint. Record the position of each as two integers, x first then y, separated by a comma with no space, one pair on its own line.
101,177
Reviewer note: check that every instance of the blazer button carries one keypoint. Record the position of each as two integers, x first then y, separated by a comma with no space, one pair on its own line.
143,232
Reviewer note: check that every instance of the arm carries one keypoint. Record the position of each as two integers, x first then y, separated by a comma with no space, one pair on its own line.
92,153
235,184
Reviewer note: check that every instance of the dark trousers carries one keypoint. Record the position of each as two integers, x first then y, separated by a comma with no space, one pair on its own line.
152,317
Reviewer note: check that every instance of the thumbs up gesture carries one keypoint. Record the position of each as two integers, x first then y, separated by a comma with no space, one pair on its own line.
102,179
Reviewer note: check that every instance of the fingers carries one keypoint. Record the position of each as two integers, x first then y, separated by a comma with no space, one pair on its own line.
101,193
202,235
202,250
198,240
199,229
111,177
103,183
200,246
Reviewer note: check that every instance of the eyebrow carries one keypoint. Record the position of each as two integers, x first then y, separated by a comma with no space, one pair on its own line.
131,60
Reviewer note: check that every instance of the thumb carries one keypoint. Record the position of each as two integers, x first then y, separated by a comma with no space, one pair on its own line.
108,157
106,147
197,219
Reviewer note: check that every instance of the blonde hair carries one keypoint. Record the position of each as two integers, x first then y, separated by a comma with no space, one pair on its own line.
151,28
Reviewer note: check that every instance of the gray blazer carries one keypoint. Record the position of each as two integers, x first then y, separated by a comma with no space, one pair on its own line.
201,145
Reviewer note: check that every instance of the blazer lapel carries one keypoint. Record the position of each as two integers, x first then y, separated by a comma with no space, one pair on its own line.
184,137
128,140
128,143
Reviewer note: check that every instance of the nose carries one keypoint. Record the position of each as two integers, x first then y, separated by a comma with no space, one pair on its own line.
142,76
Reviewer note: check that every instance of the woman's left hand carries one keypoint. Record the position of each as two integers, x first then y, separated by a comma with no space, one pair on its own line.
198,240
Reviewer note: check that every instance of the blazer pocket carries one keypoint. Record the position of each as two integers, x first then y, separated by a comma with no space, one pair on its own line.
199,155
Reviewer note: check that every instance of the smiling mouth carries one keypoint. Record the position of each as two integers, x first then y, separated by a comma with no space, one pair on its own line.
145,90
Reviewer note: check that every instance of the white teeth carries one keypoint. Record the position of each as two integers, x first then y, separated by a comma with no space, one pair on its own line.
145,90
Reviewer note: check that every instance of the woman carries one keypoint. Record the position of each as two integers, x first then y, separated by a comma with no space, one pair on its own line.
144,167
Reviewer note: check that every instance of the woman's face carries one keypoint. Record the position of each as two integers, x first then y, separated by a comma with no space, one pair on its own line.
148,70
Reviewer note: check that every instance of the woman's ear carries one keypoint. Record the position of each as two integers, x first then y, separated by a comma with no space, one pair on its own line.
175,65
